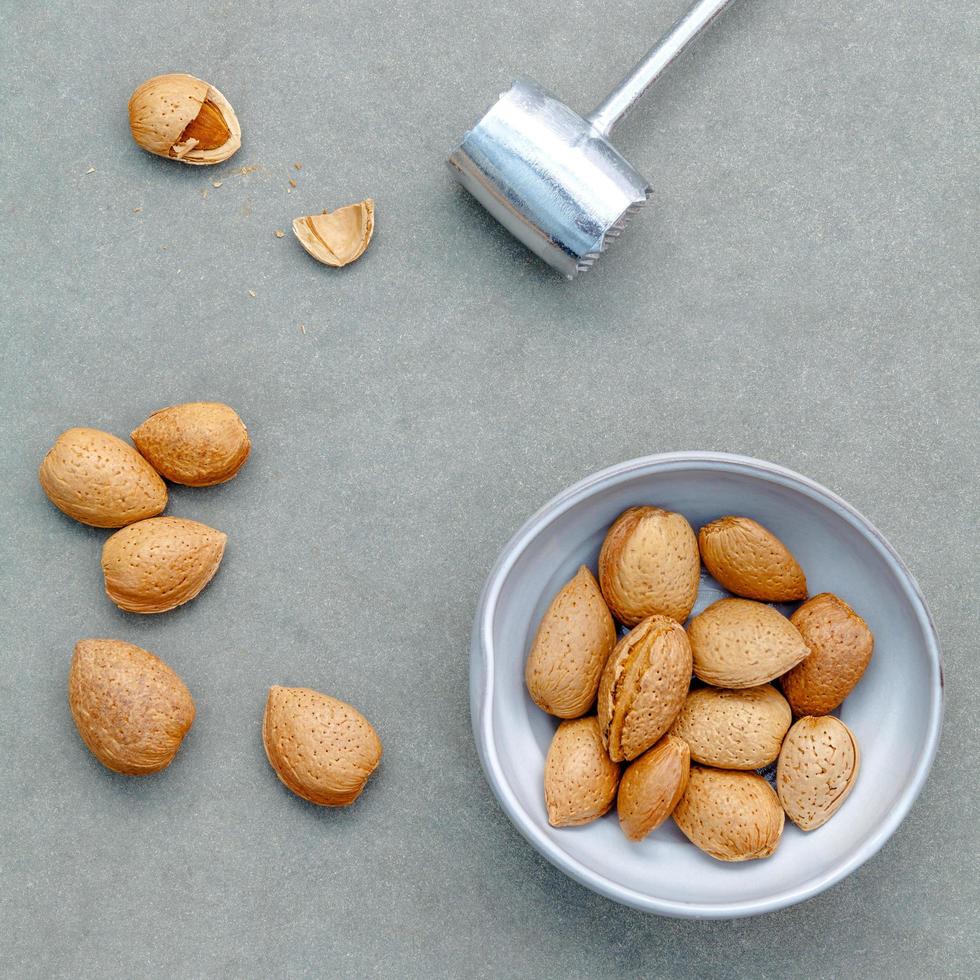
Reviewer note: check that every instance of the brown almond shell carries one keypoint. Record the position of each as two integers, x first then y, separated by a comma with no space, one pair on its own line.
649,565
130,708
197,444
573,642
321,748
840,646
651,787
732,816
580,779
643,686
749,560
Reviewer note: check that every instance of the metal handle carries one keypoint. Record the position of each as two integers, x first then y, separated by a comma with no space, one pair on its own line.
622,98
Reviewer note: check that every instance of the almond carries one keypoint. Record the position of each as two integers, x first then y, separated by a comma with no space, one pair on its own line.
818,766
651,787
749,560
579,777
197,444
740,729
649,565
184,118
741,643
338,237
570,649
320,748
733,816
156,565
643,686
840,646
99,480
130,708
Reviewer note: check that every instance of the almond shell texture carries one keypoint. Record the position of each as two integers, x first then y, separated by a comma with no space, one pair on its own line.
572,644
156,565
321,748
733,816
750,561
840,646
734,729
130,708
741,643
99,480
580,779
817,770
643,686
163,107
198,444
649,565
651,787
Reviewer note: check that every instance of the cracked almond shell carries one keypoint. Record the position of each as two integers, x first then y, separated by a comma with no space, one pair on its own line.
743,643
579,777
197,444
339,237
652,786
643,686
649,565
130,708
818,766
99,480
572,644
184,118
321,748
840,645
156,565
734,729
750,561
733,816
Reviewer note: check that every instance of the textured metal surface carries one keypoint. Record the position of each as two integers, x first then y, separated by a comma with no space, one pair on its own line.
548,177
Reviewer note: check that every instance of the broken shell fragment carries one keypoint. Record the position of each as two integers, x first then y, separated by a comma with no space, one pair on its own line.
184,118
337,237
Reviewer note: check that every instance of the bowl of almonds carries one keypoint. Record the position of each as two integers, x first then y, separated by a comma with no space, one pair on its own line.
703,685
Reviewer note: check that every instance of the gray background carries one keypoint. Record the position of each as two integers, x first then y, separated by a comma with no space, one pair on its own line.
801,289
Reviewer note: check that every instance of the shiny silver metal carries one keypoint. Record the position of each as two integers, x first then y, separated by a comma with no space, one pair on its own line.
549,175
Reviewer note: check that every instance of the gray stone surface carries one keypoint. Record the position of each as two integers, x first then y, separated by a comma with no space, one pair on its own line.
802,288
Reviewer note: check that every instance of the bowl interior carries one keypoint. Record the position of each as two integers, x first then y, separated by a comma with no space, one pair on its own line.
894,711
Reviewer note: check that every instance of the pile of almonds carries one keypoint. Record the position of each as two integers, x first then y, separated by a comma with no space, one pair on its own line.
694,753
130,708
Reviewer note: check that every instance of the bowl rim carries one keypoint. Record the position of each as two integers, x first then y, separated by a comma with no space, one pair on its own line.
482,687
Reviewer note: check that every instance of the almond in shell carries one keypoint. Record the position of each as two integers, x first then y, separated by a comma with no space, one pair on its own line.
741,643
643,686
579,777
733,816
184,118
130,708
651,787
734,729
156,565
99,480
570,649
320,748
818,766
197,444
840,645
750,561
649,565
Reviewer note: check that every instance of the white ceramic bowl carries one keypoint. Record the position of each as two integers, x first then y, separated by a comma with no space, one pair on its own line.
895,712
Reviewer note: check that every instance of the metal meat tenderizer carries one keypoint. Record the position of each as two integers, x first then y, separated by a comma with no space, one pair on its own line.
552,178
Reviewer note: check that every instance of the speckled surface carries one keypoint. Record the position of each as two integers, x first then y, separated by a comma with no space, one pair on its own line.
801,288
